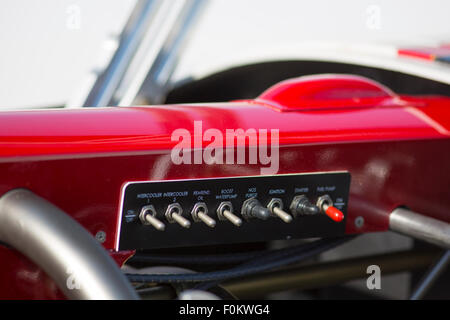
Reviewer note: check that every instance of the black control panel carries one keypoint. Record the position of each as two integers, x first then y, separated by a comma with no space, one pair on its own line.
179,213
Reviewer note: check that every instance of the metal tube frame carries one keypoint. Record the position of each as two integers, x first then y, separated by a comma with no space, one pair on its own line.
420,227
431,276
58,244
326,273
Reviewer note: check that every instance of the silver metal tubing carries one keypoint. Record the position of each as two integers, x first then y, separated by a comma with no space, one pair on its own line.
147,55
131,39
70,255
420,227
163,53
431,276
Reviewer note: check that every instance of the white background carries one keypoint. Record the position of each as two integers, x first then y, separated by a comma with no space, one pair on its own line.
43,62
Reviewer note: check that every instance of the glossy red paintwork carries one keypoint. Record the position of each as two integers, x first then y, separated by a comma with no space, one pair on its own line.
397,154
328,91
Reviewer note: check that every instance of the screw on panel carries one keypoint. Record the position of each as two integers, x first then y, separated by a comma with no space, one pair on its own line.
100,236
359,222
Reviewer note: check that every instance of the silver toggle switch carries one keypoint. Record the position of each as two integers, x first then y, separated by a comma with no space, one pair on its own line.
200,213
276,207
225,212
148,217
174,213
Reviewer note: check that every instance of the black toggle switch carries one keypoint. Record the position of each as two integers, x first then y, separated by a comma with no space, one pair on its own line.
252,208
302,206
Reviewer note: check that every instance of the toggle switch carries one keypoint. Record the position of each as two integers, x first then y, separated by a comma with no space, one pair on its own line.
334,213
301,205
225,212
276,207
148,217
325,203
252,208
174,214
200,213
